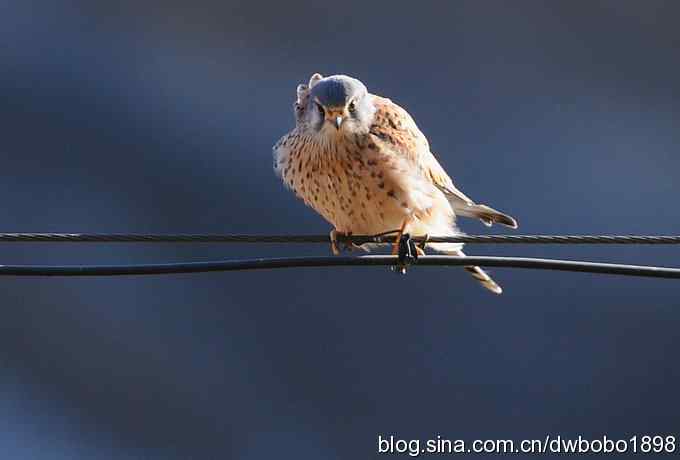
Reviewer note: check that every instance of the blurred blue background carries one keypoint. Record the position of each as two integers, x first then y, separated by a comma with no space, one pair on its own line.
149,116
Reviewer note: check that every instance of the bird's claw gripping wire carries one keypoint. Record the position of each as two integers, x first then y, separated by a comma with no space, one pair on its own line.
342,241
333,236
407,254
423,243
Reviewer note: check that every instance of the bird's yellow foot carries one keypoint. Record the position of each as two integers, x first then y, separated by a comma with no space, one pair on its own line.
336,245
420,249
334,242
400,233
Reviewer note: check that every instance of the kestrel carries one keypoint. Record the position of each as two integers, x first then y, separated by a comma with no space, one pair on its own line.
360,161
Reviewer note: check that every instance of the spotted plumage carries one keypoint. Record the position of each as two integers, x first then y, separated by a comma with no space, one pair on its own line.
361,162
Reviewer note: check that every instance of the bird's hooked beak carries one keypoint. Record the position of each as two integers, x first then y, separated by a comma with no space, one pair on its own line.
335,118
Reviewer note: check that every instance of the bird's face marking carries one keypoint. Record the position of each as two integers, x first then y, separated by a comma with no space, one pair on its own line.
339,105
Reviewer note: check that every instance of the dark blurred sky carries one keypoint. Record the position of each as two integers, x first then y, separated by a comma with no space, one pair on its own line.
137,116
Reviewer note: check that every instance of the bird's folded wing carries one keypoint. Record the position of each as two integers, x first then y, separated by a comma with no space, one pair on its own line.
395,129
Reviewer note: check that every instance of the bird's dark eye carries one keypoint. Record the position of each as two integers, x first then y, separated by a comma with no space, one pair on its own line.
322,112
352,107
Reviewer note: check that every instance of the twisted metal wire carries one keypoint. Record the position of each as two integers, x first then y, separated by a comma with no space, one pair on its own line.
292,262
387,237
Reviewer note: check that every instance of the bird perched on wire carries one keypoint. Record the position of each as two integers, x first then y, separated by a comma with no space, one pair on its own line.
360,161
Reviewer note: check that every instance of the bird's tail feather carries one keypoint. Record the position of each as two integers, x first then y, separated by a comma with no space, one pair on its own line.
486,214
476,272
484,279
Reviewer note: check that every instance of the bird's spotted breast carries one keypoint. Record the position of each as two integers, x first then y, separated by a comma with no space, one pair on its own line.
350,183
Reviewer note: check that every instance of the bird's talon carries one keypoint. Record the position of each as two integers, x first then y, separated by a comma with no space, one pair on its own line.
358,247
334,242
423,244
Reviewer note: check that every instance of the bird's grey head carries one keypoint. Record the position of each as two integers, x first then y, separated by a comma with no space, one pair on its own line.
338,104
